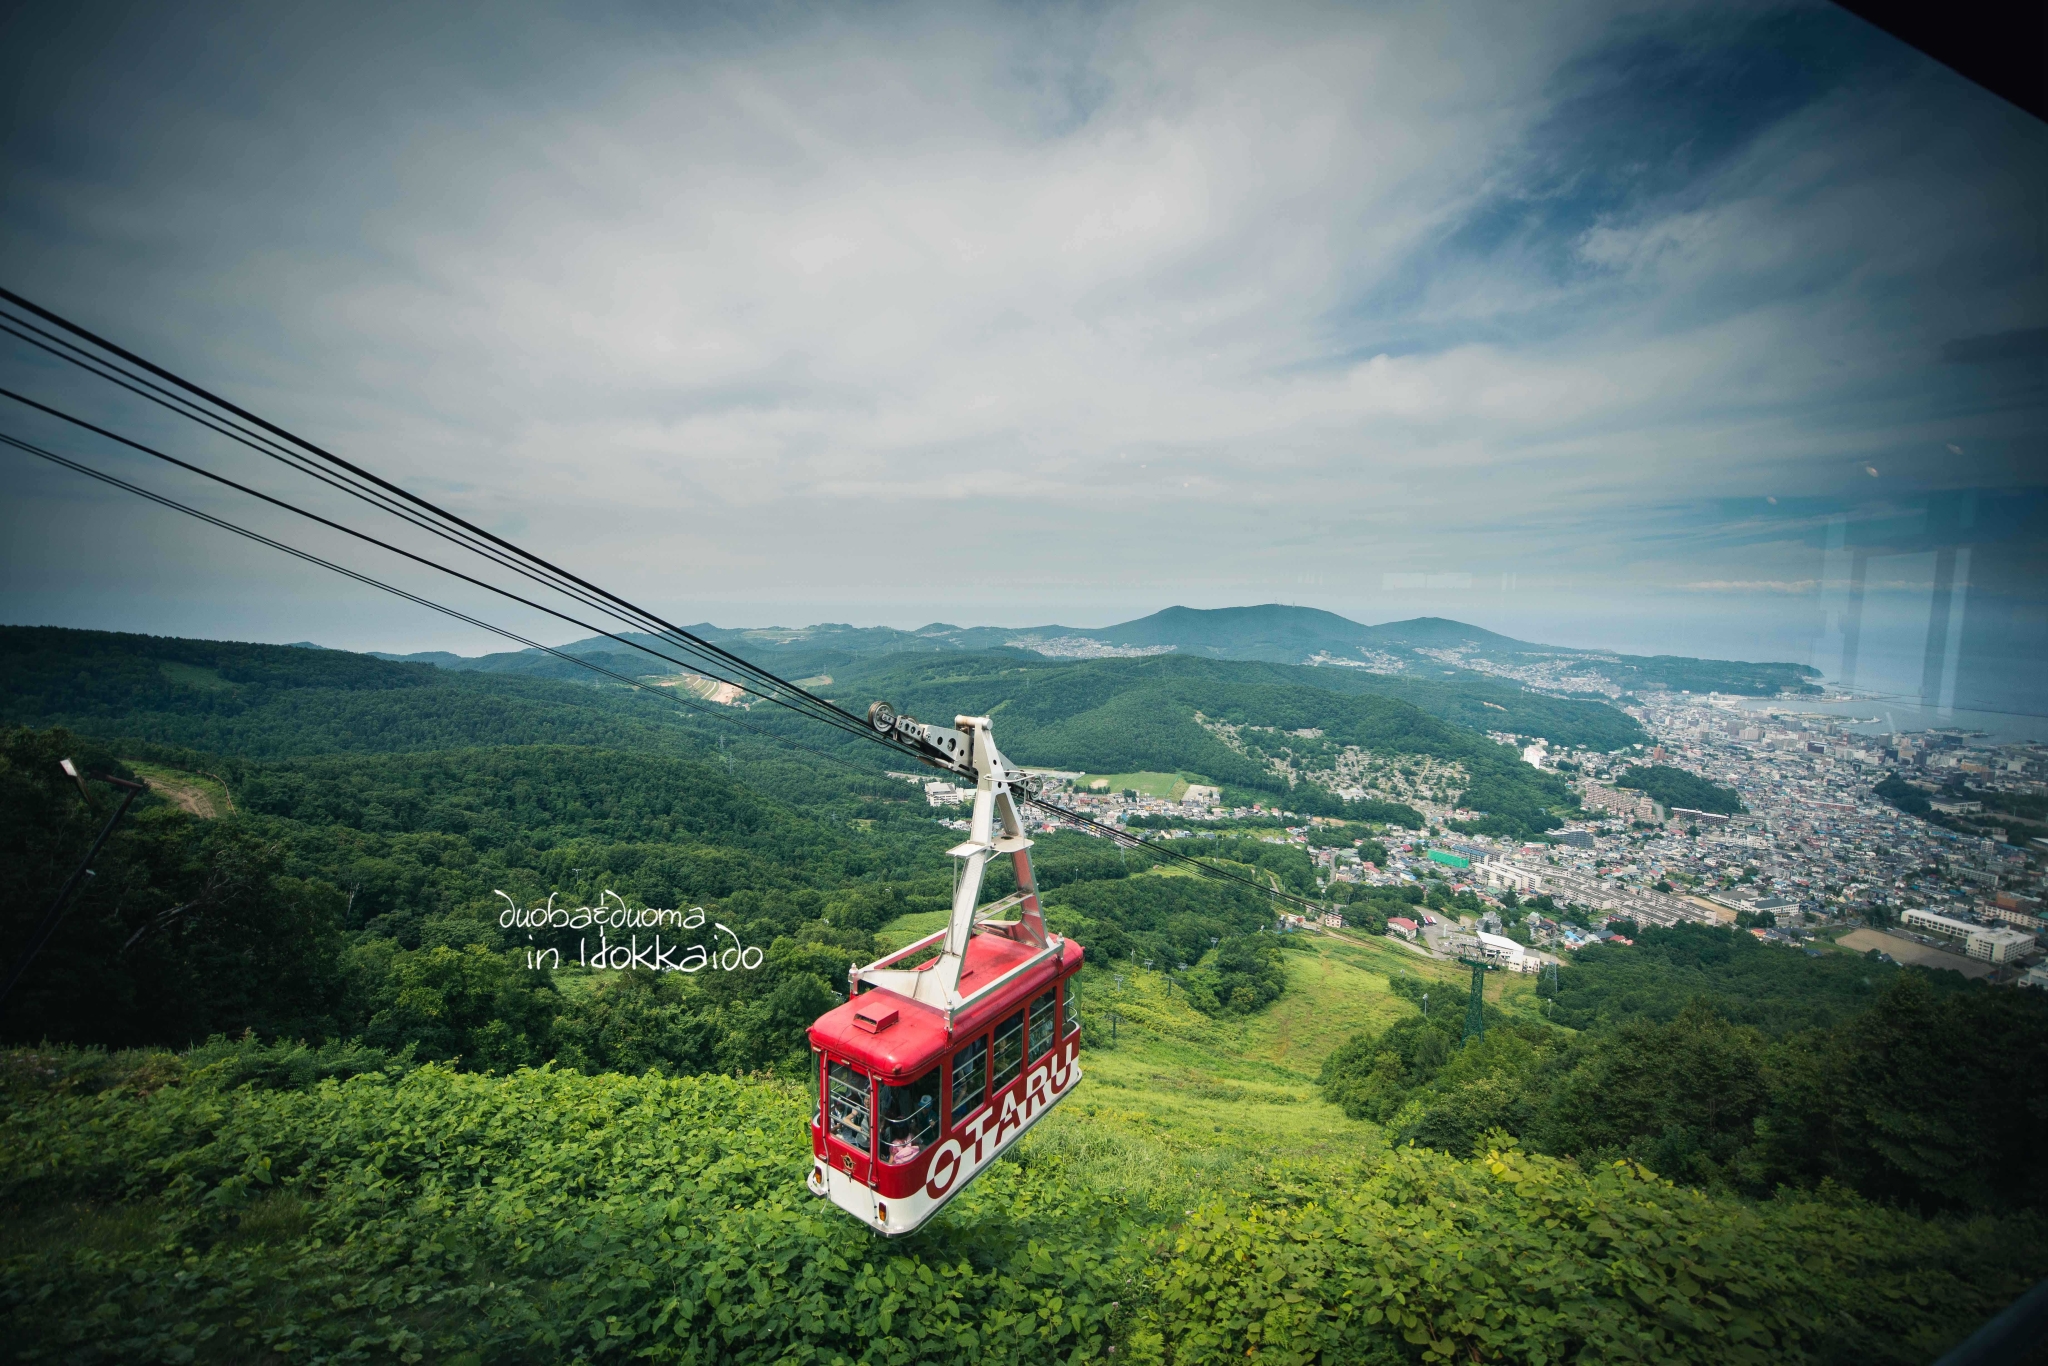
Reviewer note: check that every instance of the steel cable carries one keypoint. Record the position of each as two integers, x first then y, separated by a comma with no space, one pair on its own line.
277,443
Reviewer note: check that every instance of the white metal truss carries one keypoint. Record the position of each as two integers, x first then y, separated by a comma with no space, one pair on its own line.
996,829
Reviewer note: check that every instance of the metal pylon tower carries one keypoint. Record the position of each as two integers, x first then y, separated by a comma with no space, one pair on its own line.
1475,1008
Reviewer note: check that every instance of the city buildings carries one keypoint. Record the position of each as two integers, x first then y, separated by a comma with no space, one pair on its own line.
1814,846
1993,945
1620,801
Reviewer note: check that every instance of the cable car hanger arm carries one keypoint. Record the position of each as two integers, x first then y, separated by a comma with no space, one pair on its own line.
997,828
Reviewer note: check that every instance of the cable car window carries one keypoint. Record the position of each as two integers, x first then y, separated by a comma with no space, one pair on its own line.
1042,1025
1070,1009
849,1101
910,1117
970,1078
1009,1050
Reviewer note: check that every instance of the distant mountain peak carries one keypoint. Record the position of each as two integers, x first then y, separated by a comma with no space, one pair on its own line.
1269,633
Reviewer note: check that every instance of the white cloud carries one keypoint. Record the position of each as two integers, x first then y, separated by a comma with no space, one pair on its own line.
802,305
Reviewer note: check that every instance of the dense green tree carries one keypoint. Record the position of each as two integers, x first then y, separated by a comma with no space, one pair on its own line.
1681,1097
186,928
470,1004
1922,1098
1674,787
1744,980
1929,1098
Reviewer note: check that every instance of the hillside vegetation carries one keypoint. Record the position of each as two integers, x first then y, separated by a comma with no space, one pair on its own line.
1674,787
1725,1062
241,1199
1423,648
221,697
287,1085
1166,712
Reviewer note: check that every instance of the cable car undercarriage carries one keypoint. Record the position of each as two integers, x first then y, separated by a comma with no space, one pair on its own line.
949,1049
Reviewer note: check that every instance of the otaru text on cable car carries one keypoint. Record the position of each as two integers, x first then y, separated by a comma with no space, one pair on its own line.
946,1051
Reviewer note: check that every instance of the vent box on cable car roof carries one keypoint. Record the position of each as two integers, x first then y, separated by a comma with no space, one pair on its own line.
874,1017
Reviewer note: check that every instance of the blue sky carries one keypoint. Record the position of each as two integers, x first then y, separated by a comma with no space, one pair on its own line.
1026,314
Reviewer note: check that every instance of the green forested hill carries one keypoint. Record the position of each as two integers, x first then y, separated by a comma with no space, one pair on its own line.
1488,704
1712,1057
388,804
384,1133
1465,698
264,700
1425,648
1147,714
1103,715
1674,787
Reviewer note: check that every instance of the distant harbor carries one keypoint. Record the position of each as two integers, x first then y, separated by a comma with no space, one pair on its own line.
1884,716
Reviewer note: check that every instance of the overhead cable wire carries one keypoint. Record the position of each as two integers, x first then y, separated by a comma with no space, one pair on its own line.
666,694
267,446
392,498
379,500
840,718
188,386
1122,837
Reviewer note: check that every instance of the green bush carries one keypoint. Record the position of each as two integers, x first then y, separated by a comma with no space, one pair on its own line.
1520,1258
1919,1100
541,1215
427,1214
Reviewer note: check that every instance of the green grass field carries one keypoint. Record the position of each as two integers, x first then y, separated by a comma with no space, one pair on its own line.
905,929
1177,1101
1166,786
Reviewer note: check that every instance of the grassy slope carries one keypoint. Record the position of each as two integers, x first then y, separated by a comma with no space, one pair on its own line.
202,794
1192,1202
1181,1101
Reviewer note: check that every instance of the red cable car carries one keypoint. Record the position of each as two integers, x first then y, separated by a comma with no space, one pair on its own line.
949,1049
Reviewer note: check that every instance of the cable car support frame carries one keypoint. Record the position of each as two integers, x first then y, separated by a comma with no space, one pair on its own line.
916,1028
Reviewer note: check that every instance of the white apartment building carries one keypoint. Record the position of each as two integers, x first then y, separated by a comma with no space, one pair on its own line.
1979,941
1498,872
1620,802
1643,906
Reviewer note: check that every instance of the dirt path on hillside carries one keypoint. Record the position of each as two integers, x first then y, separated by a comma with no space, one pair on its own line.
190,796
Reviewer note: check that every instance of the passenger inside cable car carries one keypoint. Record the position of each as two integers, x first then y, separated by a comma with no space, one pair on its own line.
910,1118
970,1079
1009,1050
849,1101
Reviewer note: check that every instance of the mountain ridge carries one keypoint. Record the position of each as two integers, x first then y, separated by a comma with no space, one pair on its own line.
1272,633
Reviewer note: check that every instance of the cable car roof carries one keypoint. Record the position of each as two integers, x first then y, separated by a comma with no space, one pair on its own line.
862,1028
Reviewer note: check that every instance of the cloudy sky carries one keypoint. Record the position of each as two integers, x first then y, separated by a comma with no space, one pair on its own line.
1587,322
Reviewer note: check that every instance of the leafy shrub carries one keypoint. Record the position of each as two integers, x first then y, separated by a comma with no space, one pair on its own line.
1522,1258
543,1215
1242,975
1918,1100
